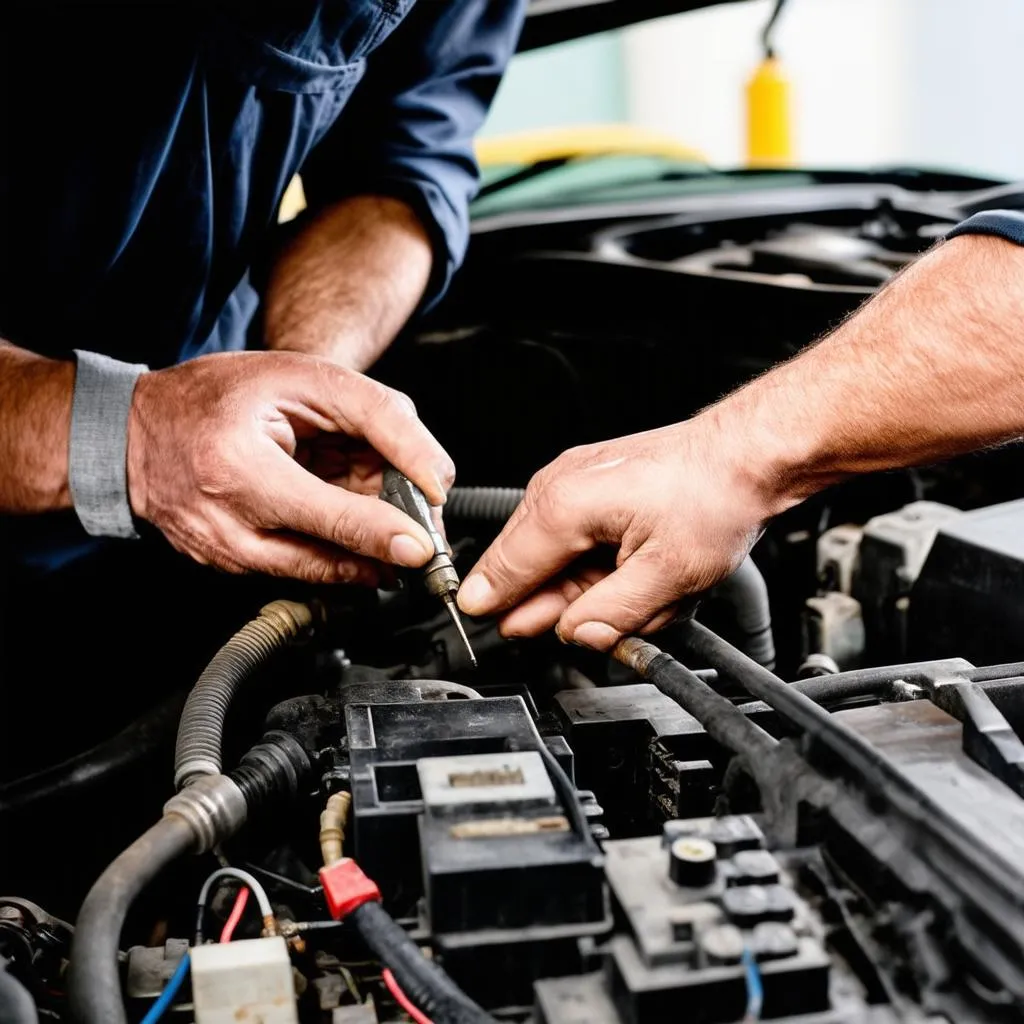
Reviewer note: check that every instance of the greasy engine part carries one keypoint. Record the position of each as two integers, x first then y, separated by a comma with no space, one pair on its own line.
921,842
463,810
543,834
198,819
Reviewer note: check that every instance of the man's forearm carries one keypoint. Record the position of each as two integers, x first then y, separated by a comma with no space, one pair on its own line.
930,368
35,420
346,286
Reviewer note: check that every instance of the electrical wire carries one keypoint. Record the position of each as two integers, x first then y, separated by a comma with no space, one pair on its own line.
768,31
755,988
243,876
236,914
402,999
164,1000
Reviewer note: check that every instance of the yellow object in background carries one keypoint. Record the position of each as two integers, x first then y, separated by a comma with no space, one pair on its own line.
769,117
575,141
293,202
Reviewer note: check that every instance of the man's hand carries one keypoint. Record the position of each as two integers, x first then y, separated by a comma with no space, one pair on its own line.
679,515
931,367
272,462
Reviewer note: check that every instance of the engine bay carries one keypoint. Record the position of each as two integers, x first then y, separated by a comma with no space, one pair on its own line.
805,804
844,847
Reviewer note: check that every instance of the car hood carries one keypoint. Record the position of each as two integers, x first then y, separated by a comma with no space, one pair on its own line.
554,21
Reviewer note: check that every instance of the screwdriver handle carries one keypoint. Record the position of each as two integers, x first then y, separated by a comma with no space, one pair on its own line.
439,575
400,491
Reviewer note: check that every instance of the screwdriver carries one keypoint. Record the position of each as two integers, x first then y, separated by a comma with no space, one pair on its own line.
439,574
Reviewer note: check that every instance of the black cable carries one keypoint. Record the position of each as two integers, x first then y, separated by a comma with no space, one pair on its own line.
97,765
567,792
796,708
768,30
422,980
990,673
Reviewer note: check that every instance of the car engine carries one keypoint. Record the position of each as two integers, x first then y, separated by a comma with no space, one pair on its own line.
802,803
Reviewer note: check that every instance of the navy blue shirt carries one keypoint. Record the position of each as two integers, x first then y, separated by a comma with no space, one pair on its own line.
144,150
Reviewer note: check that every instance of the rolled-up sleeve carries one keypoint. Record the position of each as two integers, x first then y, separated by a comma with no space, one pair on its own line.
408,129
1008,224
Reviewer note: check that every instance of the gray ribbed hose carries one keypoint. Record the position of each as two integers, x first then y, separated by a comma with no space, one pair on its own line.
201,729
485,503
745,590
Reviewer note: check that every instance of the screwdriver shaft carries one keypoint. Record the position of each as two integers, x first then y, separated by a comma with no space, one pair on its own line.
453,611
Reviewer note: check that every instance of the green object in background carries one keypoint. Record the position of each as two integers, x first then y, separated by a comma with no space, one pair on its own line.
580,82
613,179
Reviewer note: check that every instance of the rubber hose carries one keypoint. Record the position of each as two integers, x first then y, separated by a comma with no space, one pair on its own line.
493,504
834,689
721,719
422,980
747,593
94,982
198,748
16,1005
98,765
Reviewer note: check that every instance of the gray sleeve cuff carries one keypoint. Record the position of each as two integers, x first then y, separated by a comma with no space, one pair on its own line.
97,453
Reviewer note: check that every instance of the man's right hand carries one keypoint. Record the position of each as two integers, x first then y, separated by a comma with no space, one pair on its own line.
271,462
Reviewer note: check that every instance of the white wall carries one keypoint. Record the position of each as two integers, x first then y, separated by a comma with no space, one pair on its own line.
928,82
579,82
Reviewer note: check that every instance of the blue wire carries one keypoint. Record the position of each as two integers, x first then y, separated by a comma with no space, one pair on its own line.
755,990
159,1008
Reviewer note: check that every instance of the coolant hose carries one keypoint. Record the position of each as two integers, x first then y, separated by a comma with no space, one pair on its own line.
491,504
422,980
198,748
16,1005
747,594
94,980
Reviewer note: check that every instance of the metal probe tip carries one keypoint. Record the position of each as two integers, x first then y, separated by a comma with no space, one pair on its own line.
453,611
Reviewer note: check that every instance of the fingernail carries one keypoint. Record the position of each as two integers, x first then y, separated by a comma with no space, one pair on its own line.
407,551
475,595
595,634
445,473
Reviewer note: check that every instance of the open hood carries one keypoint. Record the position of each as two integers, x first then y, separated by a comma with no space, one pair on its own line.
554,21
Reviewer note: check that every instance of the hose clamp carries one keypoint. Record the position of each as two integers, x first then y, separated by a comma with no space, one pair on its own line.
214,808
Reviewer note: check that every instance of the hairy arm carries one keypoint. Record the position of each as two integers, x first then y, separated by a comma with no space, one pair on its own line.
931,367
35,418
348,283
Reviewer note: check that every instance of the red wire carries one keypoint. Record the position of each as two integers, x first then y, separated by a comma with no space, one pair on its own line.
236,914
402,999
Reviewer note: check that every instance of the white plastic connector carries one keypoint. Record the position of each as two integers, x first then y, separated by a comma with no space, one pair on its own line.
250,980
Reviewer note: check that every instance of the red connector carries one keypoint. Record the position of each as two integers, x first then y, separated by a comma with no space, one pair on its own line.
346,887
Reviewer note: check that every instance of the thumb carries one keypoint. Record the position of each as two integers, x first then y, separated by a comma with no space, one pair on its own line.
624,602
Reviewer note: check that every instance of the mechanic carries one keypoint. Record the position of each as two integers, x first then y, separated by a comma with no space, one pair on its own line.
133,209
146,151
931,367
